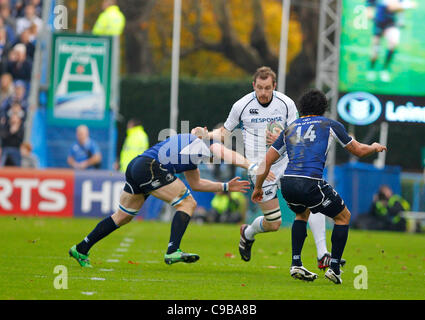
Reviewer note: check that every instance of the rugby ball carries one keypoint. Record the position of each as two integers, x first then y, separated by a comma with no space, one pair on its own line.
274,127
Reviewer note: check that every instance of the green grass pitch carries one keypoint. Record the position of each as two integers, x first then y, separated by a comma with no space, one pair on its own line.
129,264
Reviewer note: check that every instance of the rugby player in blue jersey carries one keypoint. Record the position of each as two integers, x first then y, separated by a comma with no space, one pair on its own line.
306,142
386,25
154,173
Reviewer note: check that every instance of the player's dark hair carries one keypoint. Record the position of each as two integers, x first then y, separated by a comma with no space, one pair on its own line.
313,102
263,73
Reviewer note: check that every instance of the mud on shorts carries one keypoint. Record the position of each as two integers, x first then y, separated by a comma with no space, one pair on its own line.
317,195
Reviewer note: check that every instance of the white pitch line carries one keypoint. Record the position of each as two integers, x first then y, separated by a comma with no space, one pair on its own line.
125,244
106,270
128,239
117,255
97,279
121,249
88,293
112,260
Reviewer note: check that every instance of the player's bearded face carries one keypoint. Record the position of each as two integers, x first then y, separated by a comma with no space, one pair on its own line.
264,89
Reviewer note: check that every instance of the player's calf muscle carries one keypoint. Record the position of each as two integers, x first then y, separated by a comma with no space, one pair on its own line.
272,225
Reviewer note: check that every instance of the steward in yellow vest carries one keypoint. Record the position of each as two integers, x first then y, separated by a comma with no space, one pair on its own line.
111,21
135,143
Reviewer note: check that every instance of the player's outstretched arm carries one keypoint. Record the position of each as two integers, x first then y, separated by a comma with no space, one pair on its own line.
397,5
219,134
195,181
235,158
229,156
362,150
271,156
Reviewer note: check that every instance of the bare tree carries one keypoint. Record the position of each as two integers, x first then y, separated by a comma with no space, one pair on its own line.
247,56
137,49
258,51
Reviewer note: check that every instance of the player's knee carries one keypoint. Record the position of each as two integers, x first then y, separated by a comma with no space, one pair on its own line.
188,205
343,217
120,218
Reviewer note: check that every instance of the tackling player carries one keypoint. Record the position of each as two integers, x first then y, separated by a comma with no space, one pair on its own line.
257,110
385,25
153,173
306,142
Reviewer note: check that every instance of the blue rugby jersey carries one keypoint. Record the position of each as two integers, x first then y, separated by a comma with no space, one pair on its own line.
383,14
179,153
307,142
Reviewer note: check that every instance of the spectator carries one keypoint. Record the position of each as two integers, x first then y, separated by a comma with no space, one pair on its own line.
17,8
9,20
111,21
38,6
28,158
16,109
28,20
12,137
24,38
135,143
84,153
18,97
19,66
4,46
10,30
6,87
20,94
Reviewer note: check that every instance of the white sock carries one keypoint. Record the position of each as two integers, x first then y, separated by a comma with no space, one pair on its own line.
317,222
254,228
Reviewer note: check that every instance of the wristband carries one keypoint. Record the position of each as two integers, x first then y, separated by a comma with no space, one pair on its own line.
225,186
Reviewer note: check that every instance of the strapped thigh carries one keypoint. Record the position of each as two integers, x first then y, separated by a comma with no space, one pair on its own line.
179,199
272,215
131,212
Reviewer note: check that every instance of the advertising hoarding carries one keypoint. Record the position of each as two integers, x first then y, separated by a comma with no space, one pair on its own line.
80,80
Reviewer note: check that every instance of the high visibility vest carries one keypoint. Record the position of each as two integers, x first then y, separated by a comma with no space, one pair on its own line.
110,22
382,209
227,202
135,143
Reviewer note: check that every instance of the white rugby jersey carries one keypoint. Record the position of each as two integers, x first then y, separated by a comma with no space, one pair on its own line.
255,117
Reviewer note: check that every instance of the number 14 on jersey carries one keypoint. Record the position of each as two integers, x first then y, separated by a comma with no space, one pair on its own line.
309,134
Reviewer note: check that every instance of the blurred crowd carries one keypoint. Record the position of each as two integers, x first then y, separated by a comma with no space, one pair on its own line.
20,23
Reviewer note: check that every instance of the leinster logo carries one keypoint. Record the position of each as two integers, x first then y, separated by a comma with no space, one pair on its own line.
359,108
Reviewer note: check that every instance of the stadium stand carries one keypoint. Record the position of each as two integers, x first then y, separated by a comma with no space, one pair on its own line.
20,22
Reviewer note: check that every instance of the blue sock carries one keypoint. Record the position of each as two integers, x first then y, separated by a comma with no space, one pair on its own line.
103,228
339,239
178,228
299,233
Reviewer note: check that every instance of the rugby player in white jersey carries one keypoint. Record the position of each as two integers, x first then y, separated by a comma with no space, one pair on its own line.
256,111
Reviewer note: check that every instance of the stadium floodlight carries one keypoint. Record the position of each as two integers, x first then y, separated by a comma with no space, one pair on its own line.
175,60
80,15
327,69
281,77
